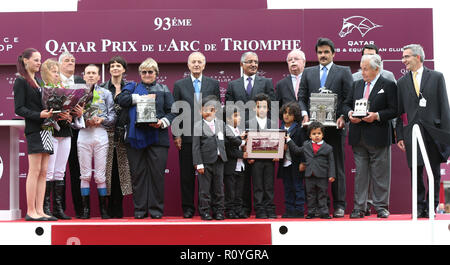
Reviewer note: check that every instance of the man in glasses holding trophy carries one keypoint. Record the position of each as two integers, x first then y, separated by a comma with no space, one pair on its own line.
371,103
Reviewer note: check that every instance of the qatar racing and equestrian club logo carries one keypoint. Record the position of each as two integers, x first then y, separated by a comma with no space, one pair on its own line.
362,24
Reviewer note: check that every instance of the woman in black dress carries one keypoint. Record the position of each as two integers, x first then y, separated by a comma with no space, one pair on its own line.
28,104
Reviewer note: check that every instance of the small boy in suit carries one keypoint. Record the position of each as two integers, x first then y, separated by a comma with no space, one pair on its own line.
288,168
234,170
319,169
209,156
262,170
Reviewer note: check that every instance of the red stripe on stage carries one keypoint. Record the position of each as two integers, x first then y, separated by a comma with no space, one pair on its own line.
156,234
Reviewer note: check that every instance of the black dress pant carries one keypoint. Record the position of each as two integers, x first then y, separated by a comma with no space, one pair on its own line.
115,206
422,195
74,169
316,195
263,185
336,138
187,178
147,168
234,187
210,187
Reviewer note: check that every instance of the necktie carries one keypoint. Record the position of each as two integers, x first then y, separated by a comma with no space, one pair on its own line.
367,91
249,86
211,126
197,89
416,84
324,77
297,84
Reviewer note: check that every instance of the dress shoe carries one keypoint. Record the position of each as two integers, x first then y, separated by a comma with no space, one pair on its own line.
423,214
156,216
140,215
383,213
311,215
242,215
338,213
357,214
298,214
206,217
219,216
271,215
325,216
231,215
29,218
287,214
188,214
261,215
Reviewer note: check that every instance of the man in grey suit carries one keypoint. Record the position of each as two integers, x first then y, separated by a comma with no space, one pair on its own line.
244,89
339,80
422,96
371,49
371,137
191,89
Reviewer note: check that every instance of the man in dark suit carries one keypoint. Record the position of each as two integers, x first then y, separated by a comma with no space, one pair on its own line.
244,89
339,80
250,84
209,156
287,88
190,90
422,96
68,77
370,136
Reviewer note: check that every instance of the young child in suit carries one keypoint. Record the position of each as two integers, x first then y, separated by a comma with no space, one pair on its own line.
262,170
319,169
288,168
209,156
234,171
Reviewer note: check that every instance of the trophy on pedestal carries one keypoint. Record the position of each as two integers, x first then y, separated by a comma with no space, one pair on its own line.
323,107
361,108
146,109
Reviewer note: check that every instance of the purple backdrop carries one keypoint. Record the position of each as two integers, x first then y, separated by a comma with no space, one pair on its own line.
272,34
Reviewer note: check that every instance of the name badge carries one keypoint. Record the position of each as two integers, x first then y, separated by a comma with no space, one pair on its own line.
423,102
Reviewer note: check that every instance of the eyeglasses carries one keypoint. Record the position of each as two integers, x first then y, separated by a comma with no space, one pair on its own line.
251,61
150,72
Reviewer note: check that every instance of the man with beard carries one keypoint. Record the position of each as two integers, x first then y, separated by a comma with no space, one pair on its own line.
339,80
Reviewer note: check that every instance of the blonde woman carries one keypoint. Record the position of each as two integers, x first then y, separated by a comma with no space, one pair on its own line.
147,145
61,148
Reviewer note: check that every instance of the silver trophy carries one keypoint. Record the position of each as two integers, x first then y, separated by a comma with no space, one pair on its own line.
361,108
146,109
323,107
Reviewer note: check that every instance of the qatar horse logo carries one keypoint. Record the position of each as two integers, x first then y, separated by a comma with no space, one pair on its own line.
362,24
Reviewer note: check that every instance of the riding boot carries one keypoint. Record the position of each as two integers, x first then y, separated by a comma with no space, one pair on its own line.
85,207
58,200
49,186
103,207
